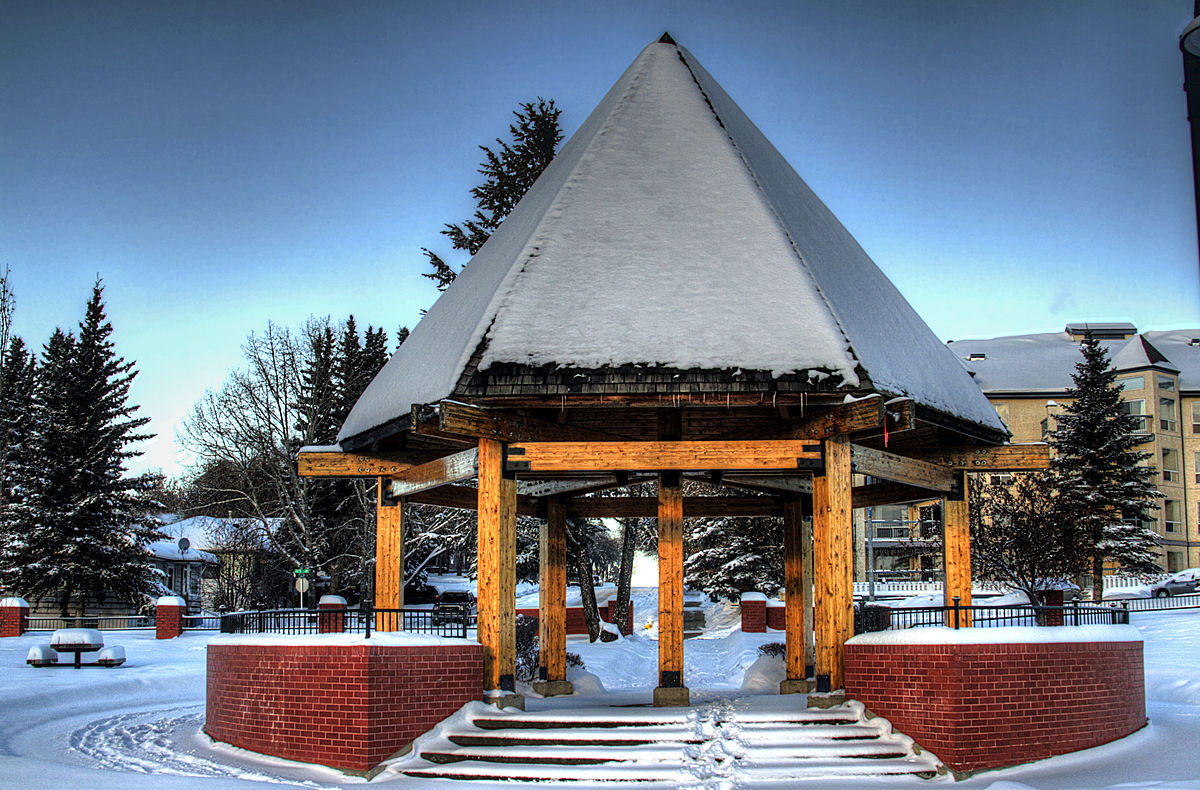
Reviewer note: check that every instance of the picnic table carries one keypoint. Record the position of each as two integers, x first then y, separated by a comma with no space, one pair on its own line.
77,641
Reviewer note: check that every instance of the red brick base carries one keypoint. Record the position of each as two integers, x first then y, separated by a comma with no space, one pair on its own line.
345,706
982,706
14,617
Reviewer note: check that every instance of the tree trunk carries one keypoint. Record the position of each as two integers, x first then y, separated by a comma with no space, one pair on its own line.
587,589
625,574
1097,579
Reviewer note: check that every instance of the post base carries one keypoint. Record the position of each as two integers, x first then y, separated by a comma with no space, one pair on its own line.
553,688
794,686
672,697
505,699
828,699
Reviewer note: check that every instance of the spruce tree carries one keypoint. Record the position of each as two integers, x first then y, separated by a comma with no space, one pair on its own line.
508,174
1099,470
20,471
92,528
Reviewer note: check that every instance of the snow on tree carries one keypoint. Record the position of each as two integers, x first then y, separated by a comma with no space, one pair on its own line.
508,174
1098,469
20,471
89,535
727,556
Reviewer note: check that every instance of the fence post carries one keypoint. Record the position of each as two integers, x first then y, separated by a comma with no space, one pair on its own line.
14,616
168,616
368,616
331,617
956,610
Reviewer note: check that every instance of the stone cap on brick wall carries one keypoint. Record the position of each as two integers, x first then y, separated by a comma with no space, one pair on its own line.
170,600
15,600
377,639
331,600
1004,635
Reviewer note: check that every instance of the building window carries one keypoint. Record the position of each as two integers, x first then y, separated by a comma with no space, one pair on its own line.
1174,561
1166,414
1196,417
1170,466
1133,383
1137,408
1171,516
1196,466
1166,383
1002,410
977,356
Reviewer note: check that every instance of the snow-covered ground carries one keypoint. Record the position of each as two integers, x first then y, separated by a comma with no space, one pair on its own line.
138,726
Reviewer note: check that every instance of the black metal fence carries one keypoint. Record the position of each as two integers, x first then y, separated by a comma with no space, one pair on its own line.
450,621
122,622
1158,604
881,618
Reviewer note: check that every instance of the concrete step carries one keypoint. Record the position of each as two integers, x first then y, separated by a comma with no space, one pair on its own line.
749,740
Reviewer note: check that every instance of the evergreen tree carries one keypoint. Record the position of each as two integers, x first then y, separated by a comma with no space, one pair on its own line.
508,174
1099,471
728,556
92,528
20,472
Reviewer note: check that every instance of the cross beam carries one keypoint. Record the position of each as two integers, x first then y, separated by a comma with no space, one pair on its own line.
1005,458
450,469
334,463
664,456
900,469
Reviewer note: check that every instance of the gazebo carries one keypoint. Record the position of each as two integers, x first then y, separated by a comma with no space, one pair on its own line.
670,300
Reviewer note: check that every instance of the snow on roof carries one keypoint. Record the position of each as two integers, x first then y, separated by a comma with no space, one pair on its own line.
1043,363
669,232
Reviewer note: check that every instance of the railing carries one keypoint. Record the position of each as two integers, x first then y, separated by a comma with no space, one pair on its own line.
450,621
1159,604
121,622
201,622
882,618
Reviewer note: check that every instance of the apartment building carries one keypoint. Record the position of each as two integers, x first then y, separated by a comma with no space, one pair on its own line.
1026,377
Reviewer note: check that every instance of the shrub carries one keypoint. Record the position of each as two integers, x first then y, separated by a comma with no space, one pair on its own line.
776,649
527,650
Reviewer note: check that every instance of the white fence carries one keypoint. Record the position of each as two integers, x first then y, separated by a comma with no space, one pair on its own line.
882,587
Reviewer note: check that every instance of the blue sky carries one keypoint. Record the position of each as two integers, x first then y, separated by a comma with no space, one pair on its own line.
1011,166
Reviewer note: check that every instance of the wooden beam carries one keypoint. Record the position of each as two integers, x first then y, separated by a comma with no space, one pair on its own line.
389,560
663,455
463,498
859,415
794,595
443,471
496,568
1004,458
693,507
899,468
956,552
832,539
889,494
770,484
552,604
466,420
671,690
335,464
674,400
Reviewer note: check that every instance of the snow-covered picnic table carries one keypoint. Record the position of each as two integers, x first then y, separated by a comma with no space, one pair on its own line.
77,641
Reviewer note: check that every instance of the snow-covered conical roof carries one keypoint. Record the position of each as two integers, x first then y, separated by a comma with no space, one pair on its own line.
670,233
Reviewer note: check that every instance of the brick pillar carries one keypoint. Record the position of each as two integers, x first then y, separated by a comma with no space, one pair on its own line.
754,612
14,616
776,615
332,619
168,617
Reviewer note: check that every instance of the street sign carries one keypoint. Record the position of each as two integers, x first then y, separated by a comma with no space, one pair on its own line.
301,571
301,585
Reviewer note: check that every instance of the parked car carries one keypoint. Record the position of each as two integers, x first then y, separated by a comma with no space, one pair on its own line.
417,594
1182,583
450,606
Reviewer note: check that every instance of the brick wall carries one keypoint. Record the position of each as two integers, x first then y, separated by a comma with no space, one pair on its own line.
345,706
982,706
168,620
776,615
754,615
576,623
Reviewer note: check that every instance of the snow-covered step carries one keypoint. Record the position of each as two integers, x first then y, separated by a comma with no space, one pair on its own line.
747,740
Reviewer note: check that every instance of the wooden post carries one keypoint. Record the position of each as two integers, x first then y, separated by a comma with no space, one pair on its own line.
389,559
832,532
497,573
552,603
806,554
670,690
795,597
956,552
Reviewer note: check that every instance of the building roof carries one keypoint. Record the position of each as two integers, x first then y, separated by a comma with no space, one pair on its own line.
669,233
1043,363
